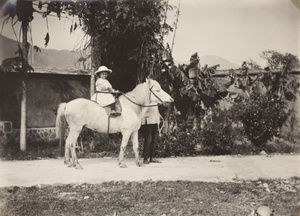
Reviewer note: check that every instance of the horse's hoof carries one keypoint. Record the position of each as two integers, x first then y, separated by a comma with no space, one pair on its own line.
123,165
79,167
140,164
68,164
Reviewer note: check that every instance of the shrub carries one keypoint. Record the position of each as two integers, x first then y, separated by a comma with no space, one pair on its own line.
218,139
214,138
262,117
181,142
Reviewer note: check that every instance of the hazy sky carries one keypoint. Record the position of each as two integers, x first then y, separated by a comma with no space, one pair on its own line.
236,30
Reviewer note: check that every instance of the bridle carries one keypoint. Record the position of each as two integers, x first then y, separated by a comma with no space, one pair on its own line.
151,91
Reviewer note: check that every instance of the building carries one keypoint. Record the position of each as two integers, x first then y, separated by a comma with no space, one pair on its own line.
46,89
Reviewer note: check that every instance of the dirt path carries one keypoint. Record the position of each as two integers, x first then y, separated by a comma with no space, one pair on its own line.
209,169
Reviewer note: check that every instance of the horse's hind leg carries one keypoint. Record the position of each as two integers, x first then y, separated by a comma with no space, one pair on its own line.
125,139
67,160
74,157
71,145
135,144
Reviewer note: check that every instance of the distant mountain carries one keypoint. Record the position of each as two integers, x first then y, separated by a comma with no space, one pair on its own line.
8,48
211,60
67,59
45,58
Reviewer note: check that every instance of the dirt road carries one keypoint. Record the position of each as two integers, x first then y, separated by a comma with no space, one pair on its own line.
208,169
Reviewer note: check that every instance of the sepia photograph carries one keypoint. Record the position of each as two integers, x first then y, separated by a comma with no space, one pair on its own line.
150,107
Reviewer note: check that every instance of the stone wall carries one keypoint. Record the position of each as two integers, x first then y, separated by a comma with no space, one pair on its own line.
34,135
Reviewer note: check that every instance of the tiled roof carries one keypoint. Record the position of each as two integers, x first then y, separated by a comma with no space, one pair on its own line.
253,71
65,71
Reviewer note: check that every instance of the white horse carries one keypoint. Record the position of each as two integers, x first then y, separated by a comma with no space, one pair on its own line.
82,112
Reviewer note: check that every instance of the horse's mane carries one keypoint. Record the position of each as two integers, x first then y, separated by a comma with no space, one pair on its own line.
139,93
138,90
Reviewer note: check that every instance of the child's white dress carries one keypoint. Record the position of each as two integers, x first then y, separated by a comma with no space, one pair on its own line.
103,99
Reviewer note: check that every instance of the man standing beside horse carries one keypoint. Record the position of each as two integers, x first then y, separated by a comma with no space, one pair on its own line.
149,129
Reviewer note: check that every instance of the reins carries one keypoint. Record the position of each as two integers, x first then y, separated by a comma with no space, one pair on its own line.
132,100
137,103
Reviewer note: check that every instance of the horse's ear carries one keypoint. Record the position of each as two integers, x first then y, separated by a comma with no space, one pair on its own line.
148,81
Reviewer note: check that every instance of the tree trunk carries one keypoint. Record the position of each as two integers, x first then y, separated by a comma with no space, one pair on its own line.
93,54
92,85
23,118
166,123
140,75
23,102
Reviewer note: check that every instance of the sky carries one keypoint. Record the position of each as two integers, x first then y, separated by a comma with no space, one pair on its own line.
236,30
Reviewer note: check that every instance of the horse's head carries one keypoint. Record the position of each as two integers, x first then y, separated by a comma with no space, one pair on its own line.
157,95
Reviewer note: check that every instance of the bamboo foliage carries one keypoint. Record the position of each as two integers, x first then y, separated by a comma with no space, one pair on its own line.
125,35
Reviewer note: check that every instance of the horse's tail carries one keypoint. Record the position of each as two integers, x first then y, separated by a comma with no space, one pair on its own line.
60,121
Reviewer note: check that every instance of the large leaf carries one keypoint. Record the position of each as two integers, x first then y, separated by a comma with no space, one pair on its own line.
179,75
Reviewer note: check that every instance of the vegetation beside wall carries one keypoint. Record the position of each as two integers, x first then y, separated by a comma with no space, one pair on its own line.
218,138
214,139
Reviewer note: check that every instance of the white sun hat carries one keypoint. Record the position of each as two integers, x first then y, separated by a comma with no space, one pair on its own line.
103,69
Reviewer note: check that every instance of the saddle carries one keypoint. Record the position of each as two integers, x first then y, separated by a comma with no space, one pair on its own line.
112,110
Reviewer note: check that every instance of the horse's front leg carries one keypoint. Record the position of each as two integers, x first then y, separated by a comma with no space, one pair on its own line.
135,144
124,143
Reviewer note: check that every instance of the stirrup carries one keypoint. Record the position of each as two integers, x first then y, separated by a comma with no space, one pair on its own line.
113,113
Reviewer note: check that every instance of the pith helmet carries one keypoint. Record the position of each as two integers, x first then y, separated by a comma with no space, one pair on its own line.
103,69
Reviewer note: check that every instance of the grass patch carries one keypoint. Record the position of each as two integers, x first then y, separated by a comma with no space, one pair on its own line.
152,198
35,150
